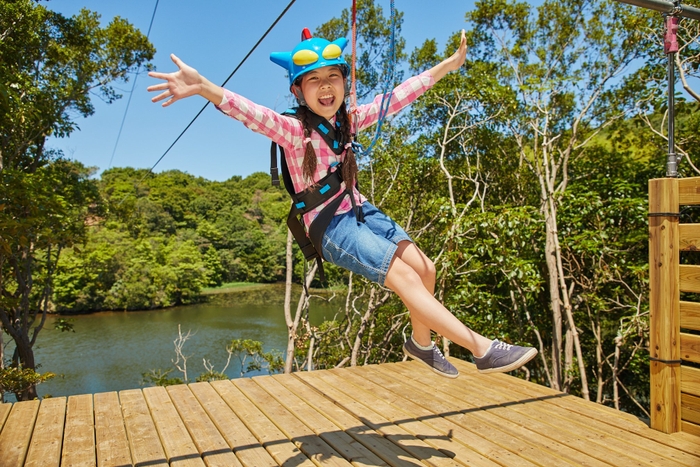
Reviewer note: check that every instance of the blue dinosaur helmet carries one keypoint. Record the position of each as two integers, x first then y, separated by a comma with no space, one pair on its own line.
310,54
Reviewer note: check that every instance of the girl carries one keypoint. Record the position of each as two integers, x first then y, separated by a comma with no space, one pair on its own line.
358,237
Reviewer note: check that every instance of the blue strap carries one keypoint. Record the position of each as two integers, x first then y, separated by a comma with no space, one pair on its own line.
324,189
300,205
323,128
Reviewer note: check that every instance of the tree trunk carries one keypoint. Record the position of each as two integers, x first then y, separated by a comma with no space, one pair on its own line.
25,358
361,330
555,302
291,324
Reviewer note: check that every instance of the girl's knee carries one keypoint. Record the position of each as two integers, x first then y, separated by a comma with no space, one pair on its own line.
401,274
430,270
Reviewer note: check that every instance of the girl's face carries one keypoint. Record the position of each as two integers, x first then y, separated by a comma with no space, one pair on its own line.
324,90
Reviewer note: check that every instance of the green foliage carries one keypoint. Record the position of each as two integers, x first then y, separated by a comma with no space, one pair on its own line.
211,376
63,325
252,357
160,378
50,65
163,238
18,380
249,353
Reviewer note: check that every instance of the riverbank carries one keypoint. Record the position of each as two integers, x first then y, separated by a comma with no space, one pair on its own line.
112,350
233,287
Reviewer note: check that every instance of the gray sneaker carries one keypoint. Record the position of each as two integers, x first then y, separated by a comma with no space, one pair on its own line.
502,357
433,358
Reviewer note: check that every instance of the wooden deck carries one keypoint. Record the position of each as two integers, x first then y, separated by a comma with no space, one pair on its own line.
387,415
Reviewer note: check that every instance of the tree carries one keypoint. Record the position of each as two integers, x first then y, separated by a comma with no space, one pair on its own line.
560,62
50,65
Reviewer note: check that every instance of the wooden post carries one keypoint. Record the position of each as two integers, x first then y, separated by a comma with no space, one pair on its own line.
664,305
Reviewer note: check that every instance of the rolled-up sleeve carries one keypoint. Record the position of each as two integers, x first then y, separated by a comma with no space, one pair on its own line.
401,96
283,130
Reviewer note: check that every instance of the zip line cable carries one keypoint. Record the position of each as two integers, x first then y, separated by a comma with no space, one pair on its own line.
133,86
224,84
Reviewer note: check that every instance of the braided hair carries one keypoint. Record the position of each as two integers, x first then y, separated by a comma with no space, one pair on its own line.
310,160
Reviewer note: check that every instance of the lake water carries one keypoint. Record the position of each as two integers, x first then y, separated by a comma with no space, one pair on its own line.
109,351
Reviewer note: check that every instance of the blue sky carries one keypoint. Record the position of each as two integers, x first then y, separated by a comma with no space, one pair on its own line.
213,36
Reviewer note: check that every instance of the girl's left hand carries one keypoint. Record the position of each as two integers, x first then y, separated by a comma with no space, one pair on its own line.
457,59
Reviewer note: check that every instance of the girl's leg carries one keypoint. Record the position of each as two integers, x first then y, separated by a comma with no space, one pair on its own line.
412,276
424,267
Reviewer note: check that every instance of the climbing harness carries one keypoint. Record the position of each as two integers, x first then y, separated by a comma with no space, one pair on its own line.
323,191
310,54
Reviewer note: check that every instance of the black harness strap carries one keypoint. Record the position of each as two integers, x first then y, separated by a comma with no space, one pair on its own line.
307,200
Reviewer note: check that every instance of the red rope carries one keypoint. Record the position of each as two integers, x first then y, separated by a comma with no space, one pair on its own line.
353,92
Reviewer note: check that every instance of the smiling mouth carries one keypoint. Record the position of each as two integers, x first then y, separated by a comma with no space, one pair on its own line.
326,100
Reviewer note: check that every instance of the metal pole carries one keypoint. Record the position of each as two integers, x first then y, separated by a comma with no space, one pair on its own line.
676,9
670,49
672,11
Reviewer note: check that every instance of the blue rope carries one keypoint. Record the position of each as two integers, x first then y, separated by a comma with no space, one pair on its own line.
387,91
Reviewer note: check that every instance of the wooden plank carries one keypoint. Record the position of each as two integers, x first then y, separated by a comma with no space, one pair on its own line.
690,380
179,448
275,442
45,447
644,438
5,409
470,410
472,429
693,429
239,438
689,191
690,347
555,432
388,451
593,438
689,237
301,435
366,410
110,433
690,315
16,433
664,307
321,426
79,435
211,445
144,444
690,408
689,278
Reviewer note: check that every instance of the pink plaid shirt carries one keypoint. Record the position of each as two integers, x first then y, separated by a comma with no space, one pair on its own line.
288,132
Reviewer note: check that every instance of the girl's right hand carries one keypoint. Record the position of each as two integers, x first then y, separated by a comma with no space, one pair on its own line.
178,85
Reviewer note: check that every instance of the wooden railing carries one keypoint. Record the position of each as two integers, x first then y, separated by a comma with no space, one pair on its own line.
674,323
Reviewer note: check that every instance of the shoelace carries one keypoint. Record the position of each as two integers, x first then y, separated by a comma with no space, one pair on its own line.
435,348
503,345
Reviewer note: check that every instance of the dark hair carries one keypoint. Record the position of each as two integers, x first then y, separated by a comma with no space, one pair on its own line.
310,159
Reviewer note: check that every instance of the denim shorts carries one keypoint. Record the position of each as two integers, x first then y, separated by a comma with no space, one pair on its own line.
365,248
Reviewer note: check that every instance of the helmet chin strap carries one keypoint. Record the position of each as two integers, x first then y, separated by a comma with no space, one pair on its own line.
296,90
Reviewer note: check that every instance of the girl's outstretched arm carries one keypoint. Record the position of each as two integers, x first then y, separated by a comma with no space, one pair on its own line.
452,63
184,83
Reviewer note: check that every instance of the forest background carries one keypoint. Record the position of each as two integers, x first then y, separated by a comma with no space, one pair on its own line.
523,176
